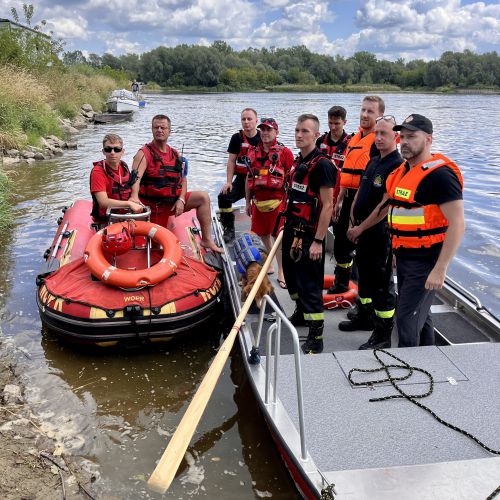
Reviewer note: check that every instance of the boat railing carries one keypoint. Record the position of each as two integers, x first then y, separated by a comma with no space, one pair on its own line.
275,329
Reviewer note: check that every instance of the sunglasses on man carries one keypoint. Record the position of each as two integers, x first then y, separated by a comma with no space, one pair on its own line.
270,120
386,118
109,149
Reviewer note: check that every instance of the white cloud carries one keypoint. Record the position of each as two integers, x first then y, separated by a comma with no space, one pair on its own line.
68,28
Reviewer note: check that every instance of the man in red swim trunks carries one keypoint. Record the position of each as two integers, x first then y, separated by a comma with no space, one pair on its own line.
162,183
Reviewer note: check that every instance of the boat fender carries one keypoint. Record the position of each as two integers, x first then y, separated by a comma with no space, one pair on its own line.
99,266
248,248
338,300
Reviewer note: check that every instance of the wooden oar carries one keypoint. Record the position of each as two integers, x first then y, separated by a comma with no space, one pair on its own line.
167,467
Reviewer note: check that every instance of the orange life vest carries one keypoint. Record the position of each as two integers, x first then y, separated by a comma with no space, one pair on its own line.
162,179
412,225
356,159
266,179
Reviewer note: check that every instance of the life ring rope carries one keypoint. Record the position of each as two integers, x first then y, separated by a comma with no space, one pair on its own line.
343,300
126,278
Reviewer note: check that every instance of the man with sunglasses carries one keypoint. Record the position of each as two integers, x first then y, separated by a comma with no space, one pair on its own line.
377,297
360,149
234,188
269,165
162,183
111,181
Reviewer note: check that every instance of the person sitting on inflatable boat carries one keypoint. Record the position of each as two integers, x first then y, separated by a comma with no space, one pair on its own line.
111,181
162,185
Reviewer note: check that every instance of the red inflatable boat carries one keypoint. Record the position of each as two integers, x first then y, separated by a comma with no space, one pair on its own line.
131,281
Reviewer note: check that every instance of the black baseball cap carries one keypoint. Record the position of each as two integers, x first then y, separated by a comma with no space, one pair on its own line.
415,122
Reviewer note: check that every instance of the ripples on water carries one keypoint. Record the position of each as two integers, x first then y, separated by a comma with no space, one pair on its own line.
119,409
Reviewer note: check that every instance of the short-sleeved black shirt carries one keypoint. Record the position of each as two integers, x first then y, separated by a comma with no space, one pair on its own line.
323,174
372,186
237,140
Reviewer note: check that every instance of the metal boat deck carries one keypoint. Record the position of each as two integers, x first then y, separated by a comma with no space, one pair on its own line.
389,449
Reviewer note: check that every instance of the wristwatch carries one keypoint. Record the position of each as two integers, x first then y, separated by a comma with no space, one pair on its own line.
317,240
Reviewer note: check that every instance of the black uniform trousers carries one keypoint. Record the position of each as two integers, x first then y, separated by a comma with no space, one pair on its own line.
374,263
237,192
343,248
413,317
304,279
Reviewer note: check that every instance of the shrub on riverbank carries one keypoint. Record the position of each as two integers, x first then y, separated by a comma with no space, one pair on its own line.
25,112
71,87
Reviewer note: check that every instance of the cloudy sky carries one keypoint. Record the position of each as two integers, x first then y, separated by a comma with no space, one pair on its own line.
406,28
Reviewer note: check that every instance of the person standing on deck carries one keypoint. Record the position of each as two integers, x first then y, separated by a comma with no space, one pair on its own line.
269,163
377,297
308,213
234,188
360,149
424,203
111,181
162,183
334,142
135,88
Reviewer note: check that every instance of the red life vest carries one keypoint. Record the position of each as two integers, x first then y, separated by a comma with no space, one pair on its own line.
303,204
162,180
242,158
337,152
356,159
118,186
412,225
266,179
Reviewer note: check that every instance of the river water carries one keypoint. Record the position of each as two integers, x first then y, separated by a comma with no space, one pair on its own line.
118,409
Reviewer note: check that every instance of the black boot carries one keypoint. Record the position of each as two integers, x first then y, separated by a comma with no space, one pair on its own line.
227,221
297,317
314,341
354,311
362,321
341,283
381,336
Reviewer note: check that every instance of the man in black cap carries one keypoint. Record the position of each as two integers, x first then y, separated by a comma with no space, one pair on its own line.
426,223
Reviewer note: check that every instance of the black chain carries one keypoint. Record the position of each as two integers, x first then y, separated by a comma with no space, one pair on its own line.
327,493
410,397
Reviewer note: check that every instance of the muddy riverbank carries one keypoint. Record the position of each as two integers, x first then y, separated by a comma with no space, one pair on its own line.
32,464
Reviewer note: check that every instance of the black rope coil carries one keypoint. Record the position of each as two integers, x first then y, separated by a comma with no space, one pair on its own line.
410,397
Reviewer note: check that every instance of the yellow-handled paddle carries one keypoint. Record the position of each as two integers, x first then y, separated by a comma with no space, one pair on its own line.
165,471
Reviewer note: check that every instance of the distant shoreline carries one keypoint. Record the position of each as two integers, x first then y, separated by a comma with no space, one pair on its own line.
324,89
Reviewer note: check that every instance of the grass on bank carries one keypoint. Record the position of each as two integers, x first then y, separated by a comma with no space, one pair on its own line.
31,102
5,206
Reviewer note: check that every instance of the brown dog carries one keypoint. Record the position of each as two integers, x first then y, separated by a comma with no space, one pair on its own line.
248,281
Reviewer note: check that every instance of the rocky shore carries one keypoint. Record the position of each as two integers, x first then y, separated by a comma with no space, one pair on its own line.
52,146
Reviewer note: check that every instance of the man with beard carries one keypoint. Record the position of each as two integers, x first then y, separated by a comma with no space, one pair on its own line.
426,223
360,149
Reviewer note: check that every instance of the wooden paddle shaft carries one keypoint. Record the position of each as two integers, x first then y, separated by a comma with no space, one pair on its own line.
165,471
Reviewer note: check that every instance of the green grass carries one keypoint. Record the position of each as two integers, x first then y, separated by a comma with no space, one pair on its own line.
5,206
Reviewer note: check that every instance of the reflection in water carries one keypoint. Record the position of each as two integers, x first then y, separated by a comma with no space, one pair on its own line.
118,408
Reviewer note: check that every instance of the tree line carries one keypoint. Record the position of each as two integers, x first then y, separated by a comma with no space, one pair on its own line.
220,66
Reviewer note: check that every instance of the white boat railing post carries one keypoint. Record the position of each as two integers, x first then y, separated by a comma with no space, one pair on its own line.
281,318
